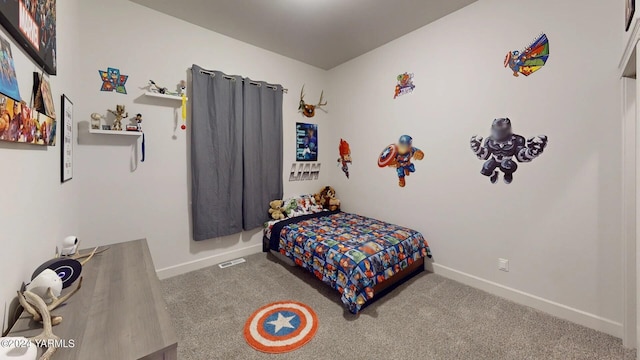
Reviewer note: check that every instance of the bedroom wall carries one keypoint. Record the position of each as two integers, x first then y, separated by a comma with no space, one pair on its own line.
559,222
37,210
123,199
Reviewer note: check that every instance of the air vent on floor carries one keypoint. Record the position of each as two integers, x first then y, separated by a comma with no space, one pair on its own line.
226,264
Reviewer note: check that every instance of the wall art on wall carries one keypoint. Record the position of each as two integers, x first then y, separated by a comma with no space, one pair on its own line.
529,60
42,98
113,80
8,80
399,156
345,156
629,11
67,139
33,25
19,123
306,142
302,172
502,147
309,110
405,85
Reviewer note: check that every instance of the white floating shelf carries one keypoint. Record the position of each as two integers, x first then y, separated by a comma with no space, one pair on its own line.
164,96
115,132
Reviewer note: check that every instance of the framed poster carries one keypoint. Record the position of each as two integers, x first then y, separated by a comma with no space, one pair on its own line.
67,139
629,11
306,142
33,25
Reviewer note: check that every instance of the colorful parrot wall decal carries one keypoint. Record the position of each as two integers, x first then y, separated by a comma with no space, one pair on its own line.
529,60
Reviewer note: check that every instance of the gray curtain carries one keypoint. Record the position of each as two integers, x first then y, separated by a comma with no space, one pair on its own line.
262,153
236,152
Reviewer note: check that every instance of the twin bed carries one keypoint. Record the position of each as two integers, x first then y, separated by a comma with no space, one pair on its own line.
356,255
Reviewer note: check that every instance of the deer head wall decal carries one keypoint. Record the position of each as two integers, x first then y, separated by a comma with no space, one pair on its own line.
307,109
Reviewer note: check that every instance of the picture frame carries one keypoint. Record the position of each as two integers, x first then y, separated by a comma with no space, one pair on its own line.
66,151
629,12
33,26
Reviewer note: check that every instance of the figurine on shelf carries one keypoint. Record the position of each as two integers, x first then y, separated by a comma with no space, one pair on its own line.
136,123
95,120
183,88
119,114
157,89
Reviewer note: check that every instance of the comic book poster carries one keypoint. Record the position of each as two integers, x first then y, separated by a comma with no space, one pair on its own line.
8,80
306,142
20,123
32,23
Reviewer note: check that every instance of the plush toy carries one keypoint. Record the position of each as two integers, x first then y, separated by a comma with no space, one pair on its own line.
328,198
276,210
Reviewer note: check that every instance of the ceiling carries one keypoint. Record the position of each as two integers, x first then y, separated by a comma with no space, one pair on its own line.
323,33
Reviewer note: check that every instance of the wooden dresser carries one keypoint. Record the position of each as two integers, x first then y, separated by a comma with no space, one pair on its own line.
119,312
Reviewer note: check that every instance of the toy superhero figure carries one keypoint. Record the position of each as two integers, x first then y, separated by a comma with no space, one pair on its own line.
502,146
399,156
345,156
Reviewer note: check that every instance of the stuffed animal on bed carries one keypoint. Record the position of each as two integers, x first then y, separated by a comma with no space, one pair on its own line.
327,198
276,210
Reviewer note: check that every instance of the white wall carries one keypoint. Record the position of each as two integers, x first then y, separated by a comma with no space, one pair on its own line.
121,200
559,221
37,211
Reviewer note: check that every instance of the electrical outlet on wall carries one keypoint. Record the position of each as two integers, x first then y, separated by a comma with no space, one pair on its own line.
503,264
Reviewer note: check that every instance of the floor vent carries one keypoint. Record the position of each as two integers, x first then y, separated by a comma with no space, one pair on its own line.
226,264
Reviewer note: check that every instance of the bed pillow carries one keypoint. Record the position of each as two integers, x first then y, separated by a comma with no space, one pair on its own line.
300,205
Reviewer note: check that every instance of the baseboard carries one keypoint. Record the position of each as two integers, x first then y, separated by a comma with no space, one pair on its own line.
553,308
186,267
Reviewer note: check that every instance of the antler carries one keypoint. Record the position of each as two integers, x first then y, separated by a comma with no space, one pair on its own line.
89,257
95,251
320,103
57,301
55,320
302,103
47,330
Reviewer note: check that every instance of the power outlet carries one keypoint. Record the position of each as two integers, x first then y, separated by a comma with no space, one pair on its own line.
503,264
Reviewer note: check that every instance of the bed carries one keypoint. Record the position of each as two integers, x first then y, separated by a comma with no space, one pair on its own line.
356,255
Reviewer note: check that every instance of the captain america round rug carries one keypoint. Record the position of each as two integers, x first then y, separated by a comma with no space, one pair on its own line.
281,327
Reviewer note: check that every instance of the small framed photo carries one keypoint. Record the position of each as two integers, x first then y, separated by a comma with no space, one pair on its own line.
106,127
67,140
629,12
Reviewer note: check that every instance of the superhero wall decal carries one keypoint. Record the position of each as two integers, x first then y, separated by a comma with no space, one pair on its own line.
503,148
529,60
345,156
399,156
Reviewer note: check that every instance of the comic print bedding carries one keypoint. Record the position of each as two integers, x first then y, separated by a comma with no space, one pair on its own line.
351,253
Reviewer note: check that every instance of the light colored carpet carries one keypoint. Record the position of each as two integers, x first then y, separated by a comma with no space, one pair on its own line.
428,317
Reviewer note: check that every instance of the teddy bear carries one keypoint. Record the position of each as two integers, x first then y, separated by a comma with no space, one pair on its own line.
276,209
327,198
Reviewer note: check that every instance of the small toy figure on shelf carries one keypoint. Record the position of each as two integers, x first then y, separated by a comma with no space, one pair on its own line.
156,88
95,120
119,114
136,123
183,88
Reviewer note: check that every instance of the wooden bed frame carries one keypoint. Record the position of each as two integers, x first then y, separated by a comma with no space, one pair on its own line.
397,278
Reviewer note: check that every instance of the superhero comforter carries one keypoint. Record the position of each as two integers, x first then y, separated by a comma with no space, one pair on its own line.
352,253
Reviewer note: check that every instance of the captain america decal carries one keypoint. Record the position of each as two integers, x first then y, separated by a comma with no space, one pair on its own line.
399,156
